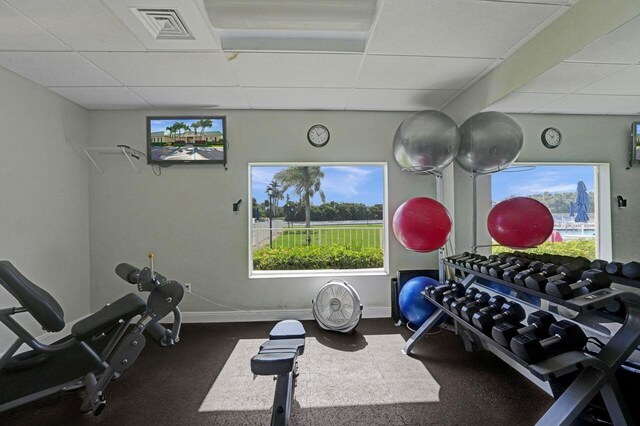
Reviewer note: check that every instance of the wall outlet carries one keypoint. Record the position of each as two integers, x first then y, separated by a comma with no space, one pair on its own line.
187,287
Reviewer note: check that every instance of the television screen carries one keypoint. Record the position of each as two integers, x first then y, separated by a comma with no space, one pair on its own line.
179,140
636,141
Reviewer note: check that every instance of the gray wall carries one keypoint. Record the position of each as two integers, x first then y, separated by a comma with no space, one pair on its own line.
44,219
185,215
585,138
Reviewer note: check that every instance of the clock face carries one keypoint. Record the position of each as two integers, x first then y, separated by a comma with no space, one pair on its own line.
318,135
551,137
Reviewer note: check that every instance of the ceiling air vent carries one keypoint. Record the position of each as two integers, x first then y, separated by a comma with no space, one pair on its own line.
163,24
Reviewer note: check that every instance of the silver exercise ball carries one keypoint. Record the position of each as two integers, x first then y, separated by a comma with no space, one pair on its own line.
489,142
426,141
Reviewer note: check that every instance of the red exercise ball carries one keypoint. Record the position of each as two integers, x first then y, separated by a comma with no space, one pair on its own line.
422,224
520,222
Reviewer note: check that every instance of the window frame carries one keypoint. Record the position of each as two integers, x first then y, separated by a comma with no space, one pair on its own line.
253,274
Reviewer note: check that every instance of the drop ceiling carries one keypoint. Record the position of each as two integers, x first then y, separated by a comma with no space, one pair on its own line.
419,54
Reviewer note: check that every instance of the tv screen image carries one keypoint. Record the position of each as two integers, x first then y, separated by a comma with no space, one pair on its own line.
186,140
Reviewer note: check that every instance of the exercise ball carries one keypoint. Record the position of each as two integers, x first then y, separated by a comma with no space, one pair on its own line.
489,142
520,222
413,305
422,224
426,141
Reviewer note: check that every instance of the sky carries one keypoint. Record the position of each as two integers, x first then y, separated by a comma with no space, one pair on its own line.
161,125
349,184
520,181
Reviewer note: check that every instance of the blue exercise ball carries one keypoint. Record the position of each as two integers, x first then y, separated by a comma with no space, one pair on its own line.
413,305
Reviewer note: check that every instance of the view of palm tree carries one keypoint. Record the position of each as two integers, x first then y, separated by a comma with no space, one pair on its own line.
187,139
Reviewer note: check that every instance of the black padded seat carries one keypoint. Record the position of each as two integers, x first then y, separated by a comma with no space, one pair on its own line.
124,309
271,364
287,329
298,344
40,304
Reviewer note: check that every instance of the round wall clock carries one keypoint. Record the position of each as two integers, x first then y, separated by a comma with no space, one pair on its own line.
551,137
318,135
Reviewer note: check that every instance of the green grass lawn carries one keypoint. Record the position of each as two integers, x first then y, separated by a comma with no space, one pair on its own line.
353,236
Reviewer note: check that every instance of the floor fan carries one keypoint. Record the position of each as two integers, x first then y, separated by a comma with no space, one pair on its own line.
337,306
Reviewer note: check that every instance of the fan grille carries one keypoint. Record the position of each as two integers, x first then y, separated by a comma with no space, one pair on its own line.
335,305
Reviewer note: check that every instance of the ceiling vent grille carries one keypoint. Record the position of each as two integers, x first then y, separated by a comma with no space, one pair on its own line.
163,24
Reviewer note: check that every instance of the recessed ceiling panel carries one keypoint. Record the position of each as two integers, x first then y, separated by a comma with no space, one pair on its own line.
19,33
102,97
415,72
192,17
461,28
56,69
83,25
193,97
397,100
295,70
590,104
165,68
626,82
523,102
296,98
621,46
567,77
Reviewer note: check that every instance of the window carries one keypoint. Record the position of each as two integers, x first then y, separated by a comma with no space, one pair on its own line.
581,228
317,219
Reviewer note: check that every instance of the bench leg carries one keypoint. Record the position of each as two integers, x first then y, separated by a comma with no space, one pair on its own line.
282,400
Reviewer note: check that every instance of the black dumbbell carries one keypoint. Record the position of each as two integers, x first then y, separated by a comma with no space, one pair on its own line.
493,305
517,264
564,336
493,258
438,293
534,267
614,268
631,270
569,271
461,260
458,256
481,299
470,262
511,312
468,295
591,279
511,274
504,260
539,323
599,264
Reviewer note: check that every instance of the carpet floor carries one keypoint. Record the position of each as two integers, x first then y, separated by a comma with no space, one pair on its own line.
357,379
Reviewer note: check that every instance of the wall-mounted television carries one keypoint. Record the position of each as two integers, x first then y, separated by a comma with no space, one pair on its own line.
186,140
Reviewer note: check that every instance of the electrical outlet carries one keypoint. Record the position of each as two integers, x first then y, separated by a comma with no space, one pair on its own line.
187,287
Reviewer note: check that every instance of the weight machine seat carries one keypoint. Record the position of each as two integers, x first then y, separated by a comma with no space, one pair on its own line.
40,304
124,309
287,329
278,354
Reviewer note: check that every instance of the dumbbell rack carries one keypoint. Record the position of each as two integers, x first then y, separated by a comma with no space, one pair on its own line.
596,371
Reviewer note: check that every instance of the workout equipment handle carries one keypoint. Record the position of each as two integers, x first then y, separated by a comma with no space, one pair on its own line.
128,273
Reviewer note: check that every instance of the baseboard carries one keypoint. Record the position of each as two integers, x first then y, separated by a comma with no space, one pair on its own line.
267,315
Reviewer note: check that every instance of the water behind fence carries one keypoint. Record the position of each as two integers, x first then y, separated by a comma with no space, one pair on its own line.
355,237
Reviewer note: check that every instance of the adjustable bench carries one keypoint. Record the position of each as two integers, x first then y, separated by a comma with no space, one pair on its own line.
278,357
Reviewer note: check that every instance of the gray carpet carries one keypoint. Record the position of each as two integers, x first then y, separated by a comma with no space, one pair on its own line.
358,379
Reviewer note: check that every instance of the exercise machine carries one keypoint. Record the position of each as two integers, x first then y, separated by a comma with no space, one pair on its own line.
278,357
100,348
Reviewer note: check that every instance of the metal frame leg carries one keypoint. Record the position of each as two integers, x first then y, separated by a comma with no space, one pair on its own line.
281,414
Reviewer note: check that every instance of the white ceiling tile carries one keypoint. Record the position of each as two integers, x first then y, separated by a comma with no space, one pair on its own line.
415,72
397,100
625,82
192,14
455,28
196,97
102,97
297,98
567,77
589,104
19,33
523,102
83,25
165,68
56,69
295,70
621,45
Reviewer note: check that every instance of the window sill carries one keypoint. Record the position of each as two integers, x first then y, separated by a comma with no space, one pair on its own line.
319,273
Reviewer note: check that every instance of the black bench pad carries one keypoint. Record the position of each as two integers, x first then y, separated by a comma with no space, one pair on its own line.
287,329
272,345
274,363
124,308
278,354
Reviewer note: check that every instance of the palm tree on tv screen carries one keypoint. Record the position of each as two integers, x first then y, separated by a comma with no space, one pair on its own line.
195,126
204,123
306,182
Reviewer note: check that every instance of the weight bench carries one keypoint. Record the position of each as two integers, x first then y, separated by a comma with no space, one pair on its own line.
278,357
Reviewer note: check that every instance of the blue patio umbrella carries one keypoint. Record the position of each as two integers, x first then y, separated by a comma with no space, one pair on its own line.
582,203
